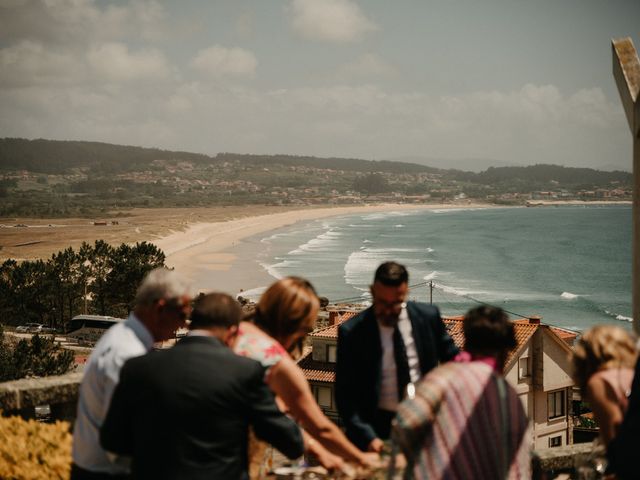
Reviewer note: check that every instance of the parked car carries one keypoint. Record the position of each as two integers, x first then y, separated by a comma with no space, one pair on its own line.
32,328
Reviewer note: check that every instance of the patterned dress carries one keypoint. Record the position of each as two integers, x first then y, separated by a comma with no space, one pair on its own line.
268,352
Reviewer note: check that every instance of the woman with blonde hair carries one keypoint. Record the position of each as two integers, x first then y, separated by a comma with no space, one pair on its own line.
603,363
285,314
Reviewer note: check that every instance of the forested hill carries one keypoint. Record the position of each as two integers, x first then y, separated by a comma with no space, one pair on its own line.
543,173
350,164
54,157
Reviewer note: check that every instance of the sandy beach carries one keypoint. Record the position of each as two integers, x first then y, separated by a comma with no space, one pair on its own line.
222,255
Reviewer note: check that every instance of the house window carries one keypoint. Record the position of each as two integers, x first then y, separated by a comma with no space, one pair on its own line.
331,353
523,367
555,404
323,396
555,441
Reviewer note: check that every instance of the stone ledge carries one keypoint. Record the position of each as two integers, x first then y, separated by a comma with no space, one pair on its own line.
560,459
31,392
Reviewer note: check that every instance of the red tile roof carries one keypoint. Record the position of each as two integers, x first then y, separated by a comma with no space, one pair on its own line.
524,332
332,330
568,336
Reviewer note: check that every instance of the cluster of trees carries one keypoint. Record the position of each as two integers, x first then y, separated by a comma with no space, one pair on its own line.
98,279
371,184
37,357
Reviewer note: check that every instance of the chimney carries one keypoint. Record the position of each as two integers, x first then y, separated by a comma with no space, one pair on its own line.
535,319
333,317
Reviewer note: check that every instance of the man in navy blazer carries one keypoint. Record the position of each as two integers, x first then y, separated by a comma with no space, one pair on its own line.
380,351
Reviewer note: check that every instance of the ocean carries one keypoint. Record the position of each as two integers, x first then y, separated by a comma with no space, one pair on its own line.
571,265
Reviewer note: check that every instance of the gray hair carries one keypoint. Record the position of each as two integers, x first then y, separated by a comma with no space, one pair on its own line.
161,283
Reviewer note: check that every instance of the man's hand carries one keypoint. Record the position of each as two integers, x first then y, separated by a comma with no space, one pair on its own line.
376,445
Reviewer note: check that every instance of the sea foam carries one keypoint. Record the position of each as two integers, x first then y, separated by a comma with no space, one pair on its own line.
569,296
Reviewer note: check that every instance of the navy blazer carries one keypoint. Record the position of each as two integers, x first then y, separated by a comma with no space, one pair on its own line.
184,413
359,364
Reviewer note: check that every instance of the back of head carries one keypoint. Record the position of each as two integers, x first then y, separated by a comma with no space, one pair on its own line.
600,348
286,307
391,274
488,331
162,284
215,310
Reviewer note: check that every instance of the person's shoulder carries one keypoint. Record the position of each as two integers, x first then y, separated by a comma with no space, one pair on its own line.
228,359
424,310
354,321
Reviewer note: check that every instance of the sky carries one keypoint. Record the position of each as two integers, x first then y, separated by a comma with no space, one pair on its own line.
460,83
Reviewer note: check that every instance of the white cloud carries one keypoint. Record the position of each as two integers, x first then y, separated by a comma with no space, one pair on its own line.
369,66
113,61
31,63
217,60
336,21
72,21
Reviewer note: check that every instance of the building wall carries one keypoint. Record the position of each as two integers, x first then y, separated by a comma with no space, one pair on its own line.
553,386
548,370
323,349
556,364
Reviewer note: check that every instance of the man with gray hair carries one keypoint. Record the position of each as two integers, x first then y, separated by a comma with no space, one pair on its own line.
162,305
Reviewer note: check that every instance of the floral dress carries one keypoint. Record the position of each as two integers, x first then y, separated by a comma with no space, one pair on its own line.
268,352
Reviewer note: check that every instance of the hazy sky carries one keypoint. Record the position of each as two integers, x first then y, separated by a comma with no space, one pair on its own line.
509,81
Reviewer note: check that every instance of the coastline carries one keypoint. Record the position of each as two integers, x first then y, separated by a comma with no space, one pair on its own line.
556,203
230,248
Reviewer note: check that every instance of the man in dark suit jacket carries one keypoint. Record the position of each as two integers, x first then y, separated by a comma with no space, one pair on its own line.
184,413
382,350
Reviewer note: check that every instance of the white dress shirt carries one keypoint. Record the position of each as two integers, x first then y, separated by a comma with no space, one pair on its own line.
101,374
389,381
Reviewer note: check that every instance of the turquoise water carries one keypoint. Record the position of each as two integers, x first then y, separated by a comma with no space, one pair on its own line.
570,265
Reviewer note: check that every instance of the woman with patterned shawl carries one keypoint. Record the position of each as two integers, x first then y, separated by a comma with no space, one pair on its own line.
465,421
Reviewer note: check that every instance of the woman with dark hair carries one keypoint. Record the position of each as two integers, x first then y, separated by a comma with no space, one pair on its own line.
465,420
285,314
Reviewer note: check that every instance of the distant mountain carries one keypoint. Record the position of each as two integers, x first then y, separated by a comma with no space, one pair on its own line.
478,165
466,164
55,156
350,164
546,174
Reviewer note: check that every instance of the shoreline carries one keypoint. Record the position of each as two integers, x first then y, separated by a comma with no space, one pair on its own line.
230,247
556,203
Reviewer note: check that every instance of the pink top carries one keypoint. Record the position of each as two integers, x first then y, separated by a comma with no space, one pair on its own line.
620,380
260,347
465,357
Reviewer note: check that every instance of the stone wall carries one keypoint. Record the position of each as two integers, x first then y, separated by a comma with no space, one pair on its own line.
21,397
